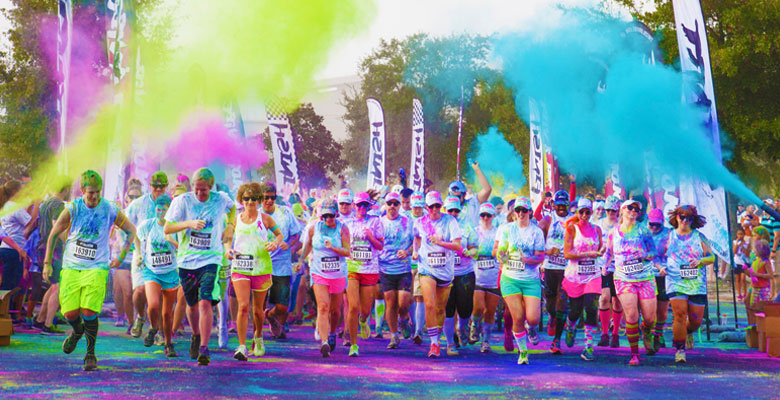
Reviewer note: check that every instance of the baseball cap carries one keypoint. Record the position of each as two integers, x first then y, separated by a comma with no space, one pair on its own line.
487,208
433,197
629,202
584,203
397,189
655,216
362,197
612,203
524,202
417,200
159,178
345,196
393,196
452,203
329,207
561,198
598,204
457,186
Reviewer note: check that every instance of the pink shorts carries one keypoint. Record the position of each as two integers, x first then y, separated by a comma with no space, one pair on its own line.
644,290
256,282
335,286
574,290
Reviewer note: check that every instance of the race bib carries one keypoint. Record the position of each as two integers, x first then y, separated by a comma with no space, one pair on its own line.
361,253
200,240
243,263
457,260
557,260
515,264
586,267
633,266
162,258
485,262
330,264
437,259
85,250
688,272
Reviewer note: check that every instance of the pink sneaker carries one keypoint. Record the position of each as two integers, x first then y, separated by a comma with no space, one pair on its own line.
634,361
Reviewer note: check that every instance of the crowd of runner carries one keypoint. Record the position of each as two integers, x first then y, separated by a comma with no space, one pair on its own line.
424,265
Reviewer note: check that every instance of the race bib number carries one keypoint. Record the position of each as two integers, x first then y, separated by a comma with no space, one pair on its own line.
243,263
330,264
161,259
457,260
85,250
688,272
515,264
200,240
633,266
437,259
586,267
361,253
557,260
485,262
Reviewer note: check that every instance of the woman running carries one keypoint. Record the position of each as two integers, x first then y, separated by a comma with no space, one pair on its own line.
609,304
156,255
328,241
417,202
520,249
251,265
686,277
437,239
631,246
486,293
582,277
655,223
461,298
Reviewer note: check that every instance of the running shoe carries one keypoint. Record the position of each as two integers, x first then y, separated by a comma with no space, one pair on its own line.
222,337
555,347
522,357
137,328
634,361
417,340
587,354
282,336
169,350
325,350
258,347
551,326
232,327
679,356
316,333
353,351
434,351
194,343
365,331
70,342
452,350
571,334
474,332
149,338
204,357
604,342
276,327
159,340
379,335
394,342
52,330
647,339
614,342
406,328
38,325
689,342
120,322
90,362
332,342
346,343
485,348
533,336
240,353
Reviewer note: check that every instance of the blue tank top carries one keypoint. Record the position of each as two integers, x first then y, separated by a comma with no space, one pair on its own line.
326,262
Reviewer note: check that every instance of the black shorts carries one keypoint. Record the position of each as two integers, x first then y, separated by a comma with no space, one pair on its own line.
439,282
660,284
200,284
495,291
739,269
608,281
280,290
39,287
391,282
553,279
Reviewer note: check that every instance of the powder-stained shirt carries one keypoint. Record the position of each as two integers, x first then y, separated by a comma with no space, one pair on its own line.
364,257
680,276
199,248
436,260
287,224
399,235
517,242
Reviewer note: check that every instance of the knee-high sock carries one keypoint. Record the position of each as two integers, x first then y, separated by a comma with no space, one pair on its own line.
487,329
91,331
521,340
419,319
590,330
379,314
77,324
632,333
463,324
658,329
413,312
604,316
433,334
616,318
449,330
560,318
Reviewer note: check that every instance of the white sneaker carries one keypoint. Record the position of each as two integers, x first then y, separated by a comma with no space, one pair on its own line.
240,353
679,356
259,347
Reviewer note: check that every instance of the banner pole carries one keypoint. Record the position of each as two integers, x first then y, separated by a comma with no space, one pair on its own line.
460,129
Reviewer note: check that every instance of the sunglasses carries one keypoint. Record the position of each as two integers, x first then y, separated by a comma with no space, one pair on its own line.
522,210
611,211
634,208
434,207
269,197
133,197
158,186
252,198
393,203
485,215
686,218
585,211
326,216
453,211
655,224
363,205
345,204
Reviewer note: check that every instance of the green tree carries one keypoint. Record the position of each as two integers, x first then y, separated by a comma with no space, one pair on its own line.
744,39
318,154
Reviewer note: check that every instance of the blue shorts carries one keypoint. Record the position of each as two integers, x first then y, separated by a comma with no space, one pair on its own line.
529,288
693,299
439,282
201,284
168,280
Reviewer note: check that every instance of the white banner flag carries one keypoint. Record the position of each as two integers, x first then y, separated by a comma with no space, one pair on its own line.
285,162
536,154
117,36
418,148
375,176
64,37
697,76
